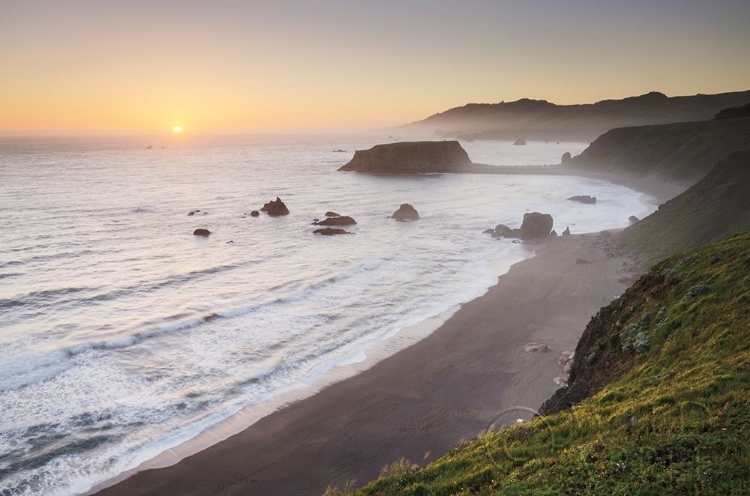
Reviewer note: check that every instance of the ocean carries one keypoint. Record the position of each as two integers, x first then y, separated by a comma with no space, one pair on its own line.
123,335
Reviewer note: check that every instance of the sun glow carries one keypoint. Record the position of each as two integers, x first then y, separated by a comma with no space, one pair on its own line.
177,129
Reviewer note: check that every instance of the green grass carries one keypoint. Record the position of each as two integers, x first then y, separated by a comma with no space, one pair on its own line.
673,419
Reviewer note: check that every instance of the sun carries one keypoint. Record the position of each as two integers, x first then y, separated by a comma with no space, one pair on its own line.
177,129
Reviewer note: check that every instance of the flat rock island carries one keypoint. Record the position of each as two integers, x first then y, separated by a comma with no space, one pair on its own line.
415,157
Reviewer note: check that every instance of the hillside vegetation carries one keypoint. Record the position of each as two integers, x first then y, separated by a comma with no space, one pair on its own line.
682,152
661,380
711,210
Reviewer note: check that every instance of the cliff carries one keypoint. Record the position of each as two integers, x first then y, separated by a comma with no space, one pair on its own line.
714,208
542,120
411,158
659,393
682,152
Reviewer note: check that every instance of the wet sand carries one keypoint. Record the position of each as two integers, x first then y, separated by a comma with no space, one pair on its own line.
470,373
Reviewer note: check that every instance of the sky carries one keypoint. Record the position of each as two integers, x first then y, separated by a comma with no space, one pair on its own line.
235,66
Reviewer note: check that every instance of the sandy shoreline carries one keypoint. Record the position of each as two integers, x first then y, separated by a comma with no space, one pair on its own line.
428,397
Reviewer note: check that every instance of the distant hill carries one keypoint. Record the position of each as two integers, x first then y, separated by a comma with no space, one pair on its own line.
542,120
659,388
713,209
734,113
682,152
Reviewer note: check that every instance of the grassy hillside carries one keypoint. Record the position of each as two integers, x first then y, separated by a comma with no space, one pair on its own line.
682,152
664,373
712,209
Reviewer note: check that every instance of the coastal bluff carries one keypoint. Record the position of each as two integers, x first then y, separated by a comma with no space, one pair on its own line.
413,157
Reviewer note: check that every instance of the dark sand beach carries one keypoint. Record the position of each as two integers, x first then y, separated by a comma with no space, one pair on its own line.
471,373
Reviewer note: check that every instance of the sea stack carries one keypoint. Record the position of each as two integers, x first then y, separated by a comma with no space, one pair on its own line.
415,157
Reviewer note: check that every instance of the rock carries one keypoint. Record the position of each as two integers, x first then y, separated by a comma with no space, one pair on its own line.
193,212
519,142
633,219
202,232
344,220
331,214
414,157
275,208
589,200
254,213
488,231
535,225
535,347
149,147
329,231
566,232
566,158
553,233
503,231
339,150
405,213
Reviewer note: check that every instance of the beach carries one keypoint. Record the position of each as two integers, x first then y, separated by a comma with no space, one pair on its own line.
471,373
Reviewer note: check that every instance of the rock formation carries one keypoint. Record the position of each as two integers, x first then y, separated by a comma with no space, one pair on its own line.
254,213
589,200
275,208
330,231
411,158
535,225
566,157
633,219
405,213
519,142
202,232
343,220
566,232
331,214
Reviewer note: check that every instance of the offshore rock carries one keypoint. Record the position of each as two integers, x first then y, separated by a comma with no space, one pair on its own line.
519,142
405,213
343,220
275,208
330,231
411,157
589,200
535,225
202,232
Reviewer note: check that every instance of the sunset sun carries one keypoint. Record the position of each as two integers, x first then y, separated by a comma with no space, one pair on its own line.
177,129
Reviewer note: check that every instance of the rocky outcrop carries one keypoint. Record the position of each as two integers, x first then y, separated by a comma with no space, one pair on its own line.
275,208
519,142
633,219
254,213
566,232
343,220
566,158
193,212
331,214
202,232
411,158
405,213
589,200
503,231
535,225
330,231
